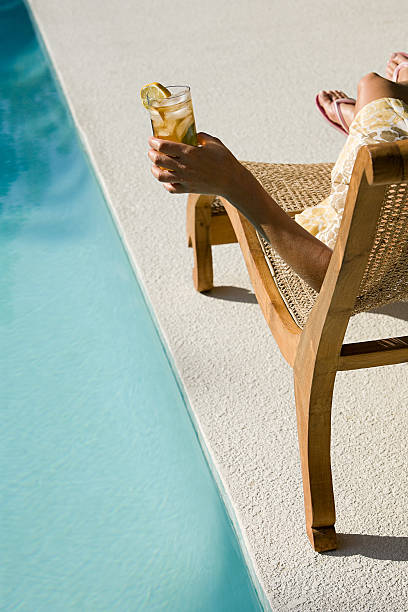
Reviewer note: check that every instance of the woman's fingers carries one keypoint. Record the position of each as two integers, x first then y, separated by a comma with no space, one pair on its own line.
175,188
174,149
171,163
184,168
165,161
165,176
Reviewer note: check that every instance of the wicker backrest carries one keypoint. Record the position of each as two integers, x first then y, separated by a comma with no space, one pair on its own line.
385,278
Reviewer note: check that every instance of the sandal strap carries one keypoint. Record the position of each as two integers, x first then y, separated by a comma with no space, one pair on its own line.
340,114
398,68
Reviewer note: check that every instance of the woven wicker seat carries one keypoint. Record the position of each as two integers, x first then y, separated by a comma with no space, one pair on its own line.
368,268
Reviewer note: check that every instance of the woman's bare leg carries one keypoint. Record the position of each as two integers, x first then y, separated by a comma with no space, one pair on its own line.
373,87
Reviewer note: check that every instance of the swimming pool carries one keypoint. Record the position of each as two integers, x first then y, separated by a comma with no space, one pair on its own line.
107,500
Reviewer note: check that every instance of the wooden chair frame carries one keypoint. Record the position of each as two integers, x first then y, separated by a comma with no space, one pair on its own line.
317,352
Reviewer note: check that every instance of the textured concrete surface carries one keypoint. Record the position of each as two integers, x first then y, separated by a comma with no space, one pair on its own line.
254,68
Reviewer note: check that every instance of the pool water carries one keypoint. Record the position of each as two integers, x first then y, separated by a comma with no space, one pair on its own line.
107,502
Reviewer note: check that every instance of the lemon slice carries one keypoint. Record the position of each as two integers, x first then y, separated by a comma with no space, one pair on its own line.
153,91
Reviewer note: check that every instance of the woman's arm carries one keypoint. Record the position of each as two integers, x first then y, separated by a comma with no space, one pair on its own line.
308,256
212,169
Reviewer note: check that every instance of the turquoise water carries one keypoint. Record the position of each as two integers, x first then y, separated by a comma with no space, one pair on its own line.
107,502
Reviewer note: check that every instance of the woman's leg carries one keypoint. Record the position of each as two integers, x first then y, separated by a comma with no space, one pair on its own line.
373,87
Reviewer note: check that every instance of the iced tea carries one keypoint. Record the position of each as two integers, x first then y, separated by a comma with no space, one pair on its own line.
173,117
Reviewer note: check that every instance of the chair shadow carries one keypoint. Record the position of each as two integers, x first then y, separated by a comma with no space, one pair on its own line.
375,547
232,294
350,544
397,310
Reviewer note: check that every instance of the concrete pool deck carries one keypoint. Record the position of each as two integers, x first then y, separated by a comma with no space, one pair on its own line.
254,68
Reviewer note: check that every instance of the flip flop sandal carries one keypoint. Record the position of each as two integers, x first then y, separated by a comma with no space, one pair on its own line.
398,68
343,127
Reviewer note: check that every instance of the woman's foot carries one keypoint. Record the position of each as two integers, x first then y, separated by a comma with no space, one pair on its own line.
395,60
326,100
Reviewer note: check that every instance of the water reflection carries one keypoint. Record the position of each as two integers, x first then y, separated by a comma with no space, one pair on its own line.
40,162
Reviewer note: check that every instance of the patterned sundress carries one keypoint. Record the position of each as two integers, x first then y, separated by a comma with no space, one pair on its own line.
383,120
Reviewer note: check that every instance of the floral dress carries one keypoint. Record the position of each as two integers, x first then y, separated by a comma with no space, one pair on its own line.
383,120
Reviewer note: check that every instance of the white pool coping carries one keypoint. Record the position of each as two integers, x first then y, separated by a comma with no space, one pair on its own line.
254,69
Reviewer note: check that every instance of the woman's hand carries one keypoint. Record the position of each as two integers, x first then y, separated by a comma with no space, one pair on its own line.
209,169
212,169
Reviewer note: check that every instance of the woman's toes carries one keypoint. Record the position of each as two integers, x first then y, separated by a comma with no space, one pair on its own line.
391,66
324,97
393,62
338,93
400,57
326,100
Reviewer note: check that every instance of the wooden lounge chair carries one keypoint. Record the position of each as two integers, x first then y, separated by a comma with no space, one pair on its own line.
368,268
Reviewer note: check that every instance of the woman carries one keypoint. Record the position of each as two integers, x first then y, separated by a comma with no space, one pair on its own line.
380,114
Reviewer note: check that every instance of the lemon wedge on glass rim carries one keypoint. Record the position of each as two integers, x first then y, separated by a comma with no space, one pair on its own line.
153,91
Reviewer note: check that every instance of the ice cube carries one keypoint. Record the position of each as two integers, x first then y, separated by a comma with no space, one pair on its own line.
176,115
156,118
183,126
167,129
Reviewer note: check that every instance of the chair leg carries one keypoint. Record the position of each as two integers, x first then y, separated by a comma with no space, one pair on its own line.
313,409
198,237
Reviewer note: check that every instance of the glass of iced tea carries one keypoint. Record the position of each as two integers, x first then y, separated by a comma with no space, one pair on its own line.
172,117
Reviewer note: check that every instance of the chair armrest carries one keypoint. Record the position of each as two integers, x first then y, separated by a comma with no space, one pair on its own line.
386,163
